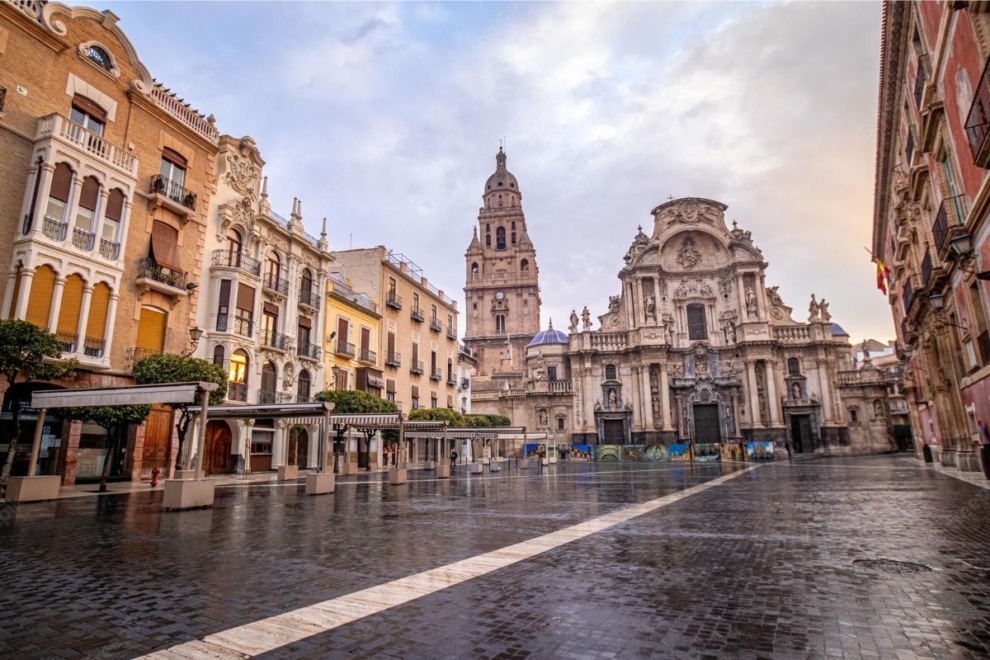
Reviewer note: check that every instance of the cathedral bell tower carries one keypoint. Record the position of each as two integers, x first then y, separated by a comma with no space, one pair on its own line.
502,289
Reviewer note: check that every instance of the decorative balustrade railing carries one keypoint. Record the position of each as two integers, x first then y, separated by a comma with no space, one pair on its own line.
227,259
83,239
109,249
276,340
59,127
792,333
54,229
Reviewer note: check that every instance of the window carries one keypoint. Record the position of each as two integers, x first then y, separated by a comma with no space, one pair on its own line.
611,373
269,378
303,333
500,324
433,400
88,113
269,324
341,380
793,366
474,270
524,265
151,329
306,284
113,217
513,238
303,386
173,170
273,269
414,392
488,240
500,238
165,247
234,247
560,423
854,415
245,310
238,371
218,355
58,195
100,57
88,201
390,390
696,322
551,373
978,328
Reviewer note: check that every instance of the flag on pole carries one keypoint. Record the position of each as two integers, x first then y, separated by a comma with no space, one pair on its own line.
883,275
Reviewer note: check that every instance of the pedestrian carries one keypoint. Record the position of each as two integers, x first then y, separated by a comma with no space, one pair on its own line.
453,458
787,444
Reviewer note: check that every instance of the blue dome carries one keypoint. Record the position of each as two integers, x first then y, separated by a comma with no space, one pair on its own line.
549,336
837,331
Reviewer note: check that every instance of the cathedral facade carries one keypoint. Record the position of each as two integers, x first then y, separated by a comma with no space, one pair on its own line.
695,356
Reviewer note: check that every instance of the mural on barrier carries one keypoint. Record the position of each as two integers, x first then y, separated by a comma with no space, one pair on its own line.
732,451
680,452
707,452
728,451
759,451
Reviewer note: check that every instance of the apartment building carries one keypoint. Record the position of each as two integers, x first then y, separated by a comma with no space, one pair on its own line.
353,319
931,204
418,330
105,178
262,315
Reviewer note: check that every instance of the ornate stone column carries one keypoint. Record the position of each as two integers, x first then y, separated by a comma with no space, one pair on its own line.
647,391
755,414
100,217
772,395
666,417
83,318
825,386
735,413
44,191
24,295
56,304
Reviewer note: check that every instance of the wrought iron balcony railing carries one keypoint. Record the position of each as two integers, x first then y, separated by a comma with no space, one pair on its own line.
109,249
83,239
344,349
451,333
54,229
239,325
93,347
173,191
229,259
277,284
309,298
436,375
435,325
416,367
134,355
237,391
276,340
311,351
451,381
394,360
67,340
948,217
394,300
271,396
148,268
978,121
368,356
416,314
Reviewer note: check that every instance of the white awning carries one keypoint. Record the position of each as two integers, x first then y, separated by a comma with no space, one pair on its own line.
121,396
293,413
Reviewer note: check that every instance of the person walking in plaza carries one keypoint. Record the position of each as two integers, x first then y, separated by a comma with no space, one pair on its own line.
453,458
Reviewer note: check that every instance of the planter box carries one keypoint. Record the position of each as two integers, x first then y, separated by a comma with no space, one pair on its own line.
33,489
397,476
348,468
544,461
429,465
319,484
494,467
523,463
187,494
288,472
476,468
443,470
185,474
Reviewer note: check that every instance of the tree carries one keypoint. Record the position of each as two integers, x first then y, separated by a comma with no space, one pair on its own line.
28,352
159,369
113,419
355,402
452,417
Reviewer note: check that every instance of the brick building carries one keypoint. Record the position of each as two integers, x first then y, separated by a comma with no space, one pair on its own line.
929,227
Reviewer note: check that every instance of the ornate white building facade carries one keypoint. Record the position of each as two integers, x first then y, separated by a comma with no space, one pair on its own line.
694,351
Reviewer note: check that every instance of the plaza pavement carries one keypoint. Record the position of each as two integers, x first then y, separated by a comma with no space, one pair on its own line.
578,560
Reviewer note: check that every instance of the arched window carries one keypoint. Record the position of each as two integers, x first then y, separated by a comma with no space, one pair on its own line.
237,376
697,328
500,324
111,223
82,234
100,57
40,298
474,270
500,238
58,200
793,366
306,286
234,248
269,378
488,240
611,373
513,238
524,265
218,355
273,270
68,314
303,386
513,225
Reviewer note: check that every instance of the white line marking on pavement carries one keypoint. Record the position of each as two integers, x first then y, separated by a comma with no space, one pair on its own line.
274,632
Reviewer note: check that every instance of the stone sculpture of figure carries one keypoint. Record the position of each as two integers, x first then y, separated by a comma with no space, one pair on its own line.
878,409
814,311
586,318
797,391
650,306
611,399
774,296
730,332
543,417
574,321
613,303
667,337
823,309
866,350
750,300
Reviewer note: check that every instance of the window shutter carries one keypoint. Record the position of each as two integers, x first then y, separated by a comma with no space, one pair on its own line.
415,391
61,183
151,329
68,313
165,246
42,292
305,322
270,309
90,107
245,297
99,303
390,386
174,157
115,205
90,193
224,302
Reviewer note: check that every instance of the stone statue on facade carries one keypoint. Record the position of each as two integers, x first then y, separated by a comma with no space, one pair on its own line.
586,318
611,399
650,306
574,321
823,309
796,392
814,311
774,297
614,302
544,418
750,300
730,332
689,256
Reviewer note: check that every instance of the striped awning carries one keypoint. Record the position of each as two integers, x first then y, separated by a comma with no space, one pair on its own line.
291,413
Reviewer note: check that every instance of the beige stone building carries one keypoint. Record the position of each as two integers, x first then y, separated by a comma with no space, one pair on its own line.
105,178
417,343
695,356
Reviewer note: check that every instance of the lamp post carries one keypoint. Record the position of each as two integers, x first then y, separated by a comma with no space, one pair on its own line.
194,335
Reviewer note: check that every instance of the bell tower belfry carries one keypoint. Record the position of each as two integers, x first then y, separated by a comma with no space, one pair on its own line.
502,288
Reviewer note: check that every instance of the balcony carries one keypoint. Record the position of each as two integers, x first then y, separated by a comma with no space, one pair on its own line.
978,121
59,128
54,229
168,102
908,294
451,381
368,356
83,239
237,391
310,299
338,288
172,195
279,286
271,396
394,360
239,325
948,219
919,81
926,269
67,340
394,300
416,314
109,250
237,260
154,277
451,333
435,325
416,368
343,349
275,340
436,375
309,351
93,347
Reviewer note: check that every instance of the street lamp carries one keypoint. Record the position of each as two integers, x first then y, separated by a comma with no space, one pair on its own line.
962,245
937,300
194,334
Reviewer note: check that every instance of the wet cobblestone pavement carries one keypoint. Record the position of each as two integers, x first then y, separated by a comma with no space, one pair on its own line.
769,564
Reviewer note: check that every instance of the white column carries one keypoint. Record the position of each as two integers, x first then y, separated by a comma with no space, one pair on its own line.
754,399
44,190
8,296
27,276
77,184
741,286
111,321
56,304
772,394
665,400
83,318
101,211
824,387
644,378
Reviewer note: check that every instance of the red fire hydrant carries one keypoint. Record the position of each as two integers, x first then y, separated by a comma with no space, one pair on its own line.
154,477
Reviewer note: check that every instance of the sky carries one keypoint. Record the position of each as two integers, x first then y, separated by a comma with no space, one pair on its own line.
385,119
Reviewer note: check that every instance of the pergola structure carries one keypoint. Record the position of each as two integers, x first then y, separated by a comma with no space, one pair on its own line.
486,434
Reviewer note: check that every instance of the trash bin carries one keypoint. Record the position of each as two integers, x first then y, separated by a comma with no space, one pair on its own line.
985,459
927,451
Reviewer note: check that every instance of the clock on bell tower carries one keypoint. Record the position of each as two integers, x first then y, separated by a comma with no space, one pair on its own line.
502,289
